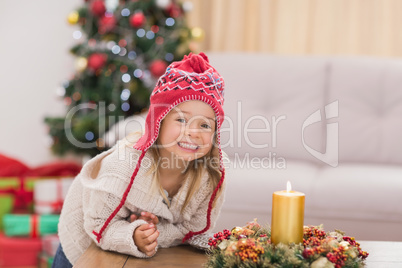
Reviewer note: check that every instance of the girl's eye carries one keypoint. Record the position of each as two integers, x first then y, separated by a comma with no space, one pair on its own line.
181,120
206,126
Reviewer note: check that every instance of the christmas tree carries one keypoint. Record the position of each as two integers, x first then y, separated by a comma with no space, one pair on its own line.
127,46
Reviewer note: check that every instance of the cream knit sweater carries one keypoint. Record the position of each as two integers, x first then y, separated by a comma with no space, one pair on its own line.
98,190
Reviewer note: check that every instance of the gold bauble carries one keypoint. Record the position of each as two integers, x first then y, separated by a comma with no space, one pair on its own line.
81,64
197,34
237,231
73,17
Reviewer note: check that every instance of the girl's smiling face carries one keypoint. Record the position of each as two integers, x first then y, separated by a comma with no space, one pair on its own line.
187,131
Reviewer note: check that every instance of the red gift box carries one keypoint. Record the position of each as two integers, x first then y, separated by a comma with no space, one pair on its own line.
19,251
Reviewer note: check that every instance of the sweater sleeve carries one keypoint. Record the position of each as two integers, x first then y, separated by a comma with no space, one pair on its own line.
118,236
173,234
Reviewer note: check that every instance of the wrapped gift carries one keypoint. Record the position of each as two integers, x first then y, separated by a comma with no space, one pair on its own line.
50,194
50,243
16,251
45,261
16,195
16,192
30,225
16,182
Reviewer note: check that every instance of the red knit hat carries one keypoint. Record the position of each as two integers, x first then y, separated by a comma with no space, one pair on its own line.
193,78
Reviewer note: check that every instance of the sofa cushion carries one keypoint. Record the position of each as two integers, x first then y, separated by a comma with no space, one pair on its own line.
267,100
370,109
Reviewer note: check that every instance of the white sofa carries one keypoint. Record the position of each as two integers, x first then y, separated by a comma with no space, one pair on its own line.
332,126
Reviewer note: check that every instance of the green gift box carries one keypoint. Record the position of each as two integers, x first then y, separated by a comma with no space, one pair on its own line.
30,225
15,191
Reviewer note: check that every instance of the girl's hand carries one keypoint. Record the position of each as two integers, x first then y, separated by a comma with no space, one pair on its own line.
145,238
146,216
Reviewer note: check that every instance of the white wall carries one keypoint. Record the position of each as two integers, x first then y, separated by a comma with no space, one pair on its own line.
35,39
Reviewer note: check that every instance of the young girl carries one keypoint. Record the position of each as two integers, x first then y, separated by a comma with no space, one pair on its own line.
160,189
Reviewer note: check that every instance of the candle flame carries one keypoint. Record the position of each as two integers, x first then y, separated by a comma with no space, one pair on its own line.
288,187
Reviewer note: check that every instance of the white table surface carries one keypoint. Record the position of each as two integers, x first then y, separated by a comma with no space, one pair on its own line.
383,254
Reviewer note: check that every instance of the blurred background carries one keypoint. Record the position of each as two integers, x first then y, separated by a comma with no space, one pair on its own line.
36,39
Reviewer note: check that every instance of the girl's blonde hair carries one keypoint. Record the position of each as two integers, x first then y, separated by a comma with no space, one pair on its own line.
209,163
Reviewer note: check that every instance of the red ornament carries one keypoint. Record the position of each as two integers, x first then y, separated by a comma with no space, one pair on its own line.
157,67
123,69
107,24
137,20
96,61
174,10
155,28
122,43
98,8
